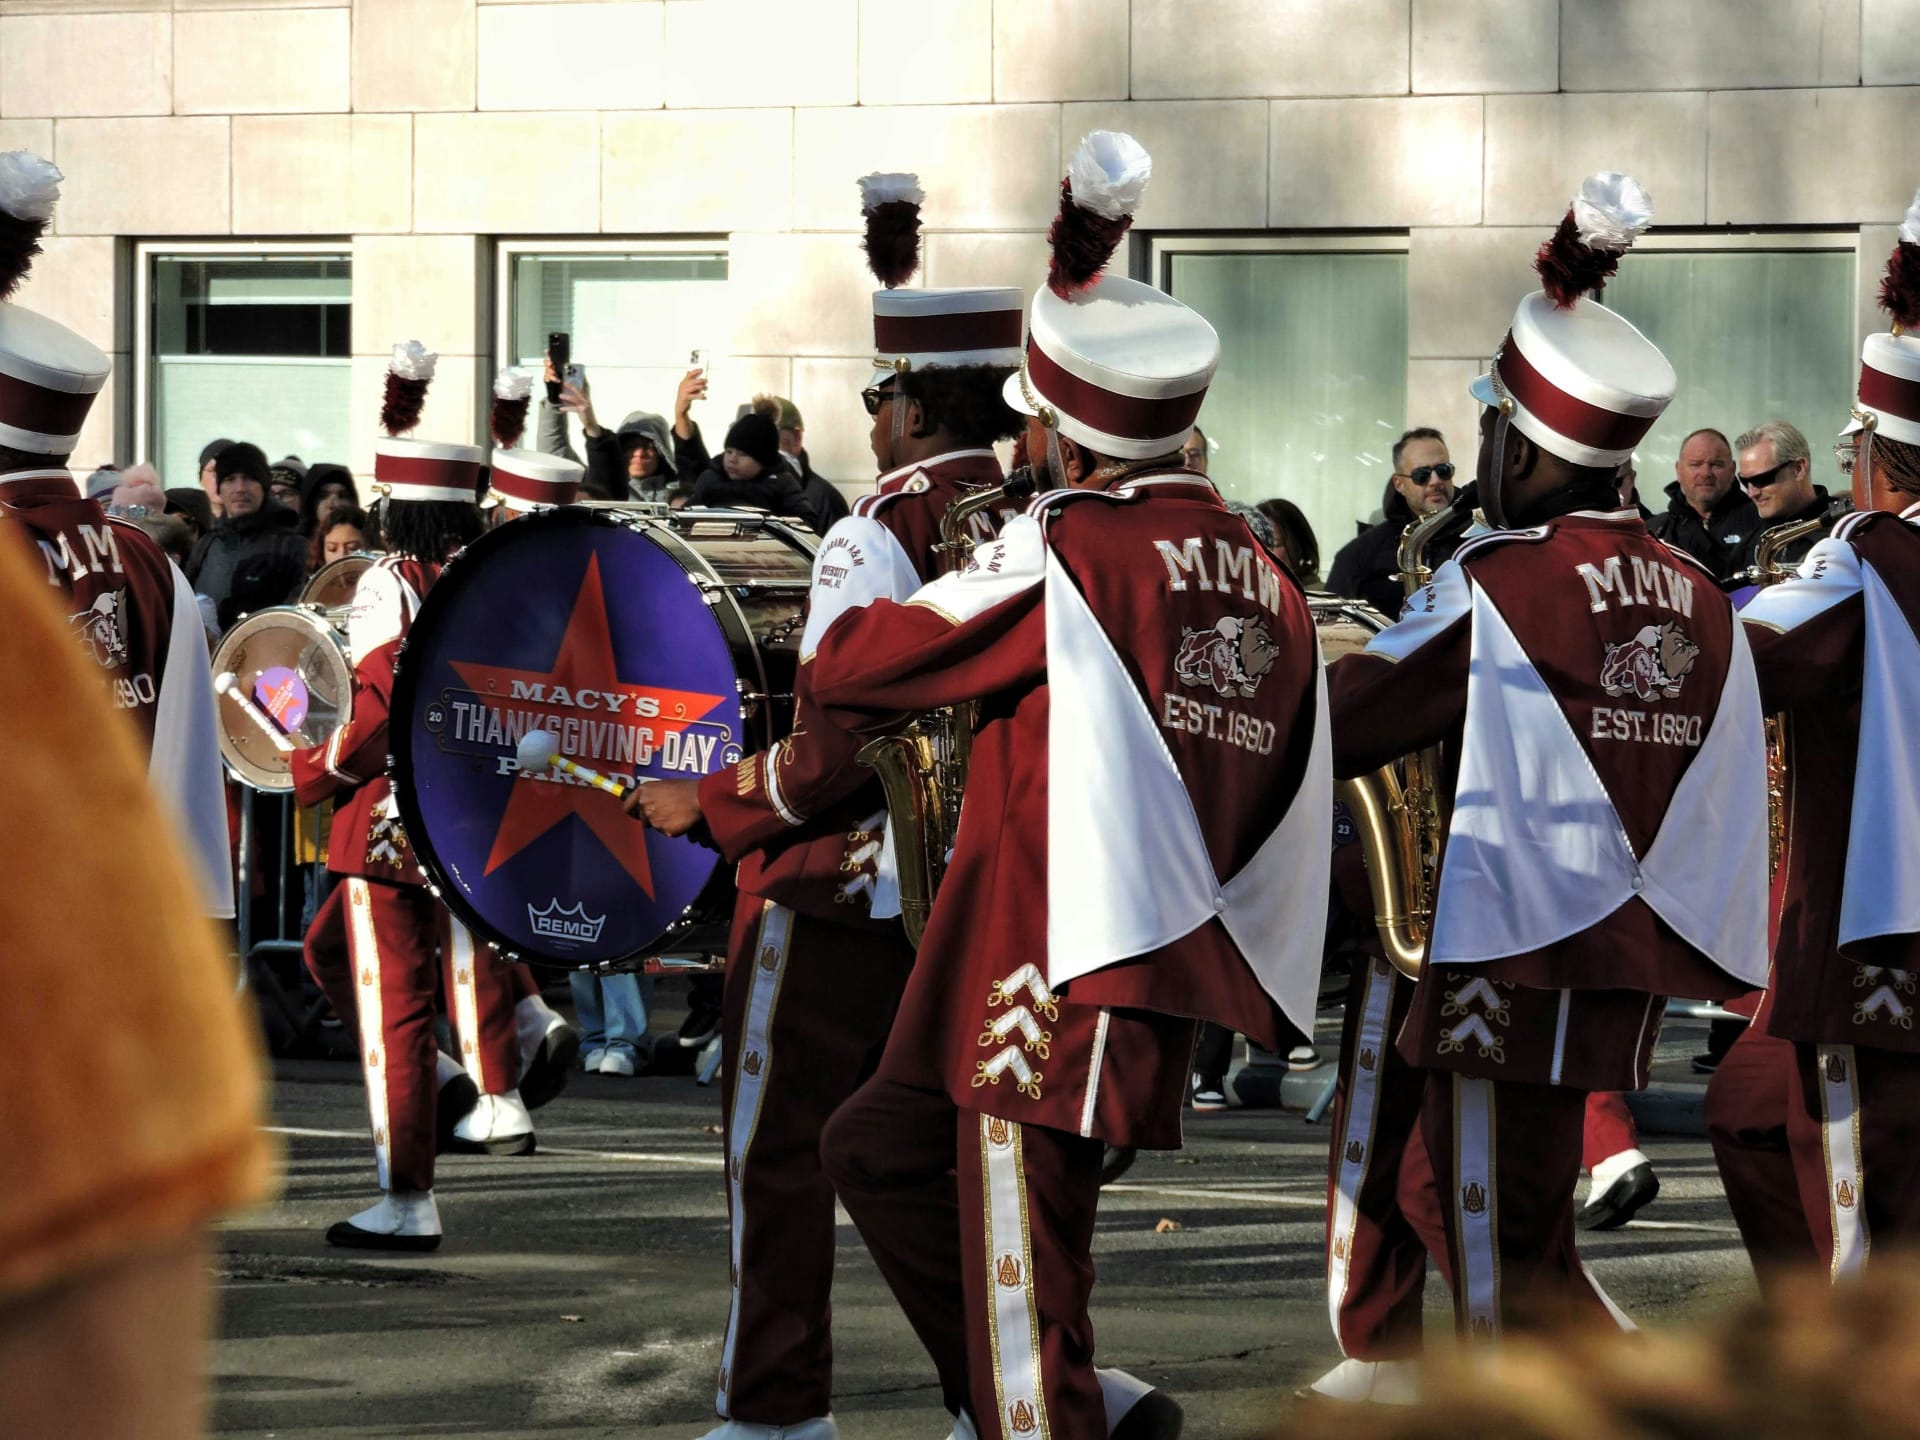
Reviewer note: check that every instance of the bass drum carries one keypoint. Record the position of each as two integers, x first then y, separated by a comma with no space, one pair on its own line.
332,587
283,682
655,646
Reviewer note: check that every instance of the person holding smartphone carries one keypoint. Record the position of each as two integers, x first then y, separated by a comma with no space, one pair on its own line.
640,459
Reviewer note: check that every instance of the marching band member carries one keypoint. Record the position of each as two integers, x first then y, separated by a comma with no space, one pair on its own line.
1836,650
817,963
1143,844
1606,843
394,928
129,606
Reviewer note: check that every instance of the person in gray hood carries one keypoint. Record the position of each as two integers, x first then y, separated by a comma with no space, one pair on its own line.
640,459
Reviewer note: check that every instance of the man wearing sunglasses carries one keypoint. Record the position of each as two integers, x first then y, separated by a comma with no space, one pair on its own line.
1368,568
1776,471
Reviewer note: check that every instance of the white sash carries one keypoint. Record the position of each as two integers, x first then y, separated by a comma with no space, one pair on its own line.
1883,846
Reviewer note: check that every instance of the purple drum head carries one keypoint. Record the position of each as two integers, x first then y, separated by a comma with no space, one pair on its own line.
283,695
580,626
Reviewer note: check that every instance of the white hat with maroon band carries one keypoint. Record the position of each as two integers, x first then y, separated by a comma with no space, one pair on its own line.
1116,365
1889,395
534,480
422,471
49,376
1572,376
917,329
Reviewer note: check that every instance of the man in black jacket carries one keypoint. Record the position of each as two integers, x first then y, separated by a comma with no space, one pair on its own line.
1776,471
250,525
1368,567
1707,516
822,494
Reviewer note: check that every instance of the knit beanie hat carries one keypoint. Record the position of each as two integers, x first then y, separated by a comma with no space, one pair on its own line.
756,435
211,449
243,458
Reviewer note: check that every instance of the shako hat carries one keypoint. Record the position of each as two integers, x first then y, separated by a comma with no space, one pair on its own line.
49,376
534,480
1574,377
1111,363
419,470
1889,395
916,329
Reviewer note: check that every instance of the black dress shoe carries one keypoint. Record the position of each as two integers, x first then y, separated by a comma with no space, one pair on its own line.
1117,1160
456,1100
1621,1201
1156,1415
345,1232
546,1077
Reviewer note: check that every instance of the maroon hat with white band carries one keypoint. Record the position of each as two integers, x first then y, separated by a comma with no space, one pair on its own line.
1889,395
915,329
49,376
1113,364
422,471
1573,376
534,480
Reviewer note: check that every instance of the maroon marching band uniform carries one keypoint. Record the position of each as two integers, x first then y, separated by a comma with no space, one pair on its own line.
813,979
384,980
1833,1052
1549,1024
971,1160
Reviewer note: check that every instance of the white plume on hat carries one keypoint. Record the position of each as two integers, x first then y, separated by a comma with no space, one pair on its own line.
1611,211
1910,222
29,186
1109,172
413,361
512,383
884,187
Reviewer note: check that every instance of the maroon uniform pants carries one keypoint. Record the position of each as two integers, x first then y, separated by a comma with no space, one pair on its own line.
1854,1133
481,993
983,1229
376,950
808,1004
1383,1214
1753,1092
1607,1128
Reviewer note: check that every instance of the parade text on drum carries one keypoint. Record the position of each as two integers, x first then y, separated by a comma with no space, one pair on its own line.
476,722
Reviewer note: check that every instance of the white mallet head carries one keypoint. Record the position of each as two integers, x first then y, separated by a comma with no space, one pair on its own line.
537,750
226,682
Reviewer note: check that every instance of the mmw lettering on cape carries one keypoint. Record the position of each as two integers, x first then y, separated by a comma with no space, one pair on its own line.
1186,562
102,555
1651,583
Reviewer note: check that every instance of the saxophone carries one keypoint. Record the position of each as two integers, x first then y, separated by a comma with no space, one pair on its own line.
923,769
1397,808
1768,569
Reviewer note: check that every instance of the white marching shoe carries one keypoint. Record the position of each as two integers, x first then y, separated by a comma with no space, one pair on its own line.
1370,1382
1137,1410
548,1046
455,1101
403,1220
497,1125
821,1427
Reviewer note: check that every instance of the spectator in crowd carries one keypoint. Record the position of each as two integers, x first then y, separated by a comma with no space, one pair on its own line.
1297,545
1368,568
823,495
1707,515
170,533
195,510
612,1010
679,495
250,524
640,459
1197,452
100,484
329,488
1776,471
209,482
263,578
287,478
750,472
138,494
343,533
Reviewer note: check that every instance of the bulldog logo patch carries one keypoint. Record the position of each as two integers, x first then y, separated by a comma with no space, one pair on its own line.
1651,665
1231,659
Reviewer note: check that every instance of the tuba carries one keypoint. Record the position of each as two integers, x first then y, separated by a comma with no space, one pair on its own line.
1768,569
923,768
1397,807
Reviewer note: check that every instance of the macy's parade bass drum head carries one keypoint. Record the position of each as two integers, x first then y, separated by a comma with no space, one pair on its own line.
653,647
282,682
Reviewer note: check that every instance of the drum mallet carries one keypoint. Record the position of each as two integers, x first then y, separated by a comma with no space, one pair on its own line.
539,749
228,684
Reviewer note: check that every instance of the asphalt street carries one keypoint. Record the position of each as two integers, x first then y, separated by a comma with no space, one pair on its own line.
582,1291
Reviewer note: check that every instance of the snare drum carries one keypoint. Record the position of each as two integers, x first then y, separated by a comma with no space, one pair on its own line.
291,687
656,646
331,589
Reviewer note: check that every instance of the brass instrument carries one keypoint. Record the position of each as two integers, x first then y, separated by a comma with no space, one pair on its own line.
1768,569
1397,807
923,768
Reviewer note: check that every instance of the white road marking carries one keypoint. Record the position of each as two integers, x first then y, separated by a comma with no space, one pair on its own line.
646,1157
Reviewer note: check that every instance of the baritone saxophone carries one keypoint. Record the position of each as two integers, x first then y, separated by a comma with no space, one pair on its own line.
1768,569
923,768
1396,808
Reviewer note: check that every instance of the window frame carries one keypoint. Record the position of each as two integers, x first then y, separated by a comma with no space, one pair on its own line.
507,250
145,252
